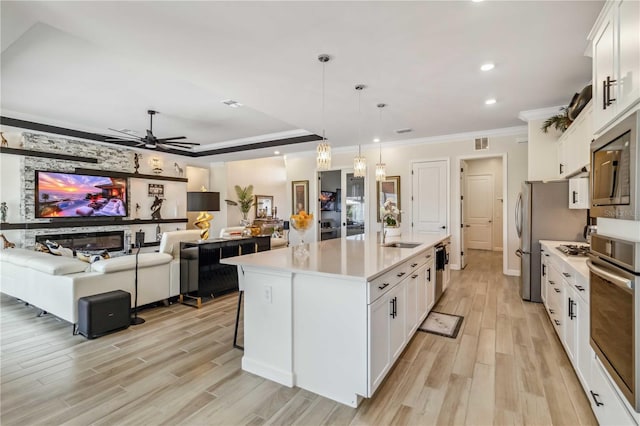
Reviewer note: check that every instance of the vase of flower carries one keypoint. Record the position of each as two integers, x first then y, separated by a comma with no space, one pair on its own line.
390,224
301,222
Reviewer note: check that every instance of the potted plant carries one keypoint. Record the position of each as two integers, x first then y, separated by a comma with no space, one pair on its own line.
560,121
244,203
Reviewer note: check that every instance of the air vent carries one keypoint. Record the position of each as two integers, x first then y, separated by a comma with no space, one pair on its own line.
232,103
405,130
481,144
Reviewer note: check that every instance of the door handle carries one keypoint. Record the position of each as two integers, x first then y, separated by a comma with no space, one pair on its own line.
443,227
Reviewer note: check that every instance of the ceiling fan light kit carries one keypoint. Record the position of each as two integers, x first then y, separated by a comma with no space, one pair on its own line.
323,159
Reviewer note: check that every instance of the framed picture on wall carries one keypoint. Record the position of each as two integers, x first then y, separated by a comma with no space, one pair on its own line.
264,206
299,196
156,190
388,190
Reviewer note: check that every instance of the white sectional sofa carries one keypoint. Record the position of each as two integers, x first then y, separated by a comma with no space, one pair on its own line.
55,283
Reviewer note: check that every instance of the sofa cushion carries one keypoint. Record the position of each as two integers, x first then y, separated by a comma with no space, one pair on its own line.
170,241
124,263
92,256
43,262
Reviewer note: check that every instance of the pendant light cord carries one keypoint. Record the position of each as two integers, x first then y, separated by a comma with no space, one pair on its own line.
323,118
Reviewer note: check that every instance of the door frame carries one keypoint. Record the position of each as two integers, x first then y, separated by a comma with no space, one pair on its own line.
505,202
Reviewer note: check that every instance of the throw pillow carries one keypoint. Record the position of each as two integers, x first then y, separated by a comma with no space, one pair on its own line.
42,248
57,250
92,256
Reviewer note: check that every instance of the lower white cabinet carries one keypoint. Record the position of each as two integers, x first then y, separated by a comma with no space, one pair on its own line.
379,337
398,319
584,350
571,323
605,402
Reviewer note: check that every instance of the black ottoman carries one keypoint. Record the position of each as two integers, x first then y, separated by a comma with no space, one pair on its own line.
104,313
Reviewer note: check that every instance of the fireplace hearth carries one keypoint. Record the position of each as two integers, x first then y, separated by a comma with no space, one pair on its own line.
112,241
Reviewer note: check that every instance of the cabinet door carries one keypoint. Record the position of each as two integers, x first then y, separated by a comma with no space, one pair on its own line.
379,355
423,301
397,329
607,405
579,193
411,318
570,324
603,67
584,352
563,152
628,33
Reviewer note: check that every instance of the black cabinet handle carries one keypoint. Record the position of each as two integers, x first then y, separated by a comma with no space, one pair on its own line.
574,195
385,285
393,309
544,270
594,395
551,311
413,265
429,274
557,322
557,290
604,102
607,100
414,276
401,274
428,256
552,282
566,274
572,314
561,168
579,287
395,306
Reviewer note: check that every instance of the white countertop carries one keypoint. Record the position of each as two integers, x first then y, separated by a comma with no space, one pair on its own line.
355,257
578,263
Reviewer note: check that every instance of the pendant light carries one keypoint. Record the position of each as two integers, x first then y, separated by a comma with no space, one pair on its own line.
359,162
381,172
323,159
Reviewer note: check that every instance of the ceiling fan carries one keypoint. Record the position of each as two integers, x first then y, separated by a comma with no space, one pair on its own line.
150,141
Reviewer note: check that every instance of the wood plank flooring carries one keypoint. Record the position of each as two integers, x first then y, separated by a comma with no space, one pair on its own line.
179,368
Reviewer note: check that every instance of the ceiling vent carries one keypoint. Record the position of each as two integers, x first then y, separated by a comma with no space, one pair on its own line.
481,144
405,130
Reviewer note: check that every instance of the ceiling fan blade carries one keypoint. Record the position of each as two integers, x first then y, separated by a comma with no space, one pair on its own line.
180,143
124,133
171,139
173,145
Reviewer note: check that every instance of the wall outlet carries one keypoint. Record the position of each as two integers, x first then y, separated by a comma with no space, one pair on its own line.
267,293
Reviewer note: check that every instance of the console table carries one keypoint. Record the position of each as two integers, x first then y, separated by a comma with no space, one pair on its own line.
201,273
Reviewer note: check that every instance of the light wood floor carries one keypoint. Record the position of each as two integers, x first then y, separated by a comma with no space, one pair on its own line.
505,367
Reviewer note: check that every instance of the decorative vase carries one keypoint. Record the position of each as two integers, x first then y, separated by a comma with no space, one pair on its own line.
301,223
392,231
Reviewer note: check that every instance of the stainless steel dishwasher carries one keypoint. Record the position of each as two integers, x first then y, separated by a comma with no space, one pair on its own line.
441,261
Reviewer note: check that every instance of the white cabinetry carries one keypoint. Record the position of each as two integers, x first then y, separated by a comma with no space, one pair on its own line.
579,193
616,61
574,144
605,402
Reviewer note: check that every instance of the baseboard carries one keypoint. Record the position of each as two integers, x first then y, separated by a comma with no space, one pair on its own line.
268,372
513,272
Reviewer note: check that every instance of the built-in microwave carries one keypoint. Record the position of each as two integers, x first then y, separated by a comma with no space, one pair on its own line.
614,171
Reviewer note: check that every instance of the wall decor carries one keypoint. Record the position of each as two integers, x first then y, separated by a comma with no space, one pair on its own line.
299,196
156,190
3,212
156,165
155,208
264,206
4,141
136,162
179,170
388,191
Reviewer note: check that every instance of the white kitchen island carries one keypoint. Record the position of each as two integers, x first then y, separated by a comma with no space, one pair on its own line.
335,322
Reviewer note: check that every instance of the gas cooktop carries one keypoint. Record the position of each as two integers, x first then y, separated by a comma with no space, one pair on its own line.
574,249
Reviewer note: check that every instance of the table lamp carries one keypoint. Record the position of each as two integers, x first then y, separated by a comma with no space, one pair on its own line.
203,202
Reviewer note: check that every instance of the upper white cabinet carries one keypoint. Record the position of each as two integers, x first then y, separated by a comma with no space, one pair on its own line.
574,144
616,61
579,193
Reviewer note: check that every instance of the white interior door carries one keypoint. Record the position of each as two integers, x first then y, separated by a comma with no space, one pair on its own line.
430,189
478,220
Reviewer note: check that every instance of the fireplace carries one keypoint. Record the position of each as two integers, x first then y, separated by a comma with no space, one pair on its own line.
109,240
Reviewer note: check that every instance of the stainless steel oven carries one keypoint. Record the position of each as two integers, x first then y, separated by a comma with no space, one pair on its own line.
615,311
615,182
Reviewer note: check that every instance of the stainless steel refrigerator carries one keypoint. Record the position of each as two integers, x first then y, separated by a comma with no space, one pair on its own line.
542,213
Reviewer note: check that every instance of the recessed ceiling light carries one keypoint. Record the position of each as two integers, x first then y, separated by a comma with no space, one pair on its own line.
490,101
376,140
276,152
487,67
232,103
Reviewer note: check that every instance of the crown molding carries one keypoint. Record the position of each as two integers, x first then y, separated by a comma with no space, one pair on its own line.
538,114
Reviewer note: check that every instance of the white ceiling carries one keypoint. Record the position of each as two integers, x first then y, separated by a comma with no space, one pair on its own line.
94,65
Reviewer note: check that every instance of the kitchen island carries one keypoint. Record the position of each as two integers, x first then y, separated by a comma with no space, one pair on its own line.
335,321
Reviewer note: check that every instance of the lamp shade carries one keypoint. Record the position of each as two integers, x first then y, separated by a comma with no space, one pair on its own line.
203,201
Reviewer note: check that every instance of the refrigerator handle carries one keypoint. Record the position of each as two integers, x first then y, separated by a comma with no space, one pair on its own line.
518,217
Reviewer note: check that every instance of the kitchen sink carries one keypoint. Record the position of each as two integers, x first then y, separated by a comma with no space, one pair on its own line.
402,245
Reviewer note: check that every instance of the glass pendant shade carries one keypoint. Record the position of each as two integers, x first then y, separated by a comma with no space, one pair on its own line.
381,172
359,166
323,160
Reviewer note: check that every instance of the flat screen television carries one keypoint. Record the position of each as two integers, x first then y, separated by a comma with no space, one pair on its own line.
62,195
327,201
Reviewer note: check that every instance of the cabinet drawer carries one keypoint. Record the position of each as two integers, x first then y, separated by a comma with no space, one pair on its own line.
581,285
385,282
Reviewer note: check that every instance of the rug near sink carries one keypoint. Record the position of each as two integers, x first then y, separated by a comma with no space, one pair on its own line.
442,324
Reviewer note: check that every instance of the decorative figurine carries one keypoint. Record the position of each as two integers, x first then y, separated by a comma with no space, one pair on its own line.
137,210
4,141
155,208
136,161
156,165
158,233
6,243
3,212
178,169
